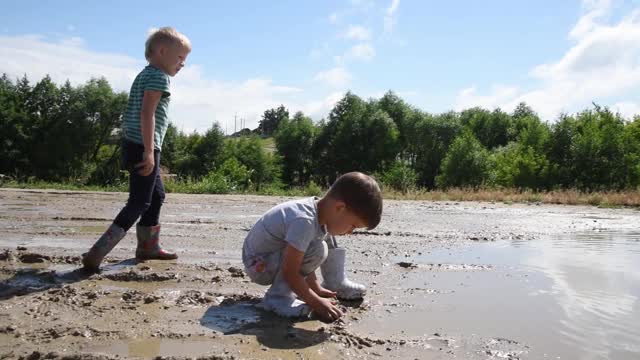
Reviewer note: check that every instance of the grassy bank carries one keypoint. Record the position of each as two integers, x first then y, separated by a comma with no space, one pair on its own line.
630,198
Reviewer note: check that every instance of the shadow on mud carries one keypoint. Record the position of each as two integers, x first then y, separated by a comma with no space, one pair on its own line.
27,281
270,330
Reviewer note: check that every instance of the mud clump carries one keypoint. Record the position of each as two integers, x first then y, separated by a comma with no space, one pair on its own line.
32,258
135,296
36,355
236,272
211,357
75,260
7,255
459,267
151,299
480,238
195,297
237,298
407,265
341,335
8,329
132,296
502,348
390,233
135,276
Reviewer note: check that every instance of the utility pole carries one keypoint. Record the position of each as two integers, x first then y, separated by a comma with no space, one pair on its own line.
235,123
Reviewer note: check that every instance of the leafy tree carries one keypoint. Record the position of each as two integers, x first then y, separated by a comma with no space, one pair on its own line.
466,163
271,119
294,141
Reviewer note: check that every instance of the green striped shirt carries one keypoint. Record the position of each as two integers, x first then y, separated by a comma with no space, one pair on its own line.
151,78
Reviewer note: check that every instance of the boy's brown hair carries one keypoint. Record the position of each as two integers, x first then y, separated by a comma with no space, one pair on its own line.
361,194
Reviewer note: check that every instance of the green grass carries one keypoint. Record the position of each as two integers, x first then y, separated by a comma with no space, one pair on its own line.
269,144
606,199
63,186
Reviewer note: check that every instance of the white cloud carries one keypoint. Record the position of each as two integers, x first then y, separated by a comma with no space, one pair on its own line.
335,77
595,10
499,94
363,51
320,108
628,109
603,63
390,16
358,32
197,101
64,59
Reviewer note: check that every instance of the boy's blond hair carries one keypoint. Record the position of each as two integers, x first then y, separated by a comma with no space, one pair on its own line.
164,36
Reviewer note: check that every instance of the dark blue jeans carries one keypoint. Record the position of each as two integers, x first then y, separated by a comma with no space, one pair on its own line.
146,193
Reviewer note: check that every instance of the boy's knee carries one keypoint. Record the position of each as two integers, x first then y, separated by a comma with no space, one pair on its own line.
318,250
315,255
262,269
139,207
160,196
260,278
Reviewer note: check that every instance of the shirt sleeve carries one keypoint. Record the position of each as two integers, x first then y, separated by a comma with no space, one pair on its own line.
158,81
300,233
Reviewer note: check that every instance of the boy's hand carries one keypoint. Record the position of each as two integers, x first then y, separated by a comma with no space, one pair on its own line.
327,310
145,167
325,293
314,285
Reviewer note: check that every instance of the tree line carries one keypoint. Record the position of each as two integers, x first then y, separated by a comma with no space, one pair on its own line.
71,134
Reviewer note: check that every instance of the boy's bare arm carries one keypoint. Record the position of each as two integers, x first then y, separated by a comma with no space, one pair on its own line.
150,102
314,284
291,264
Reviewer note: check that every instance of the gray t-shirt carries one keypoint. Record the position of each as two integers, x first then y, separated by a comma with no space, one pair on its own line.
294,223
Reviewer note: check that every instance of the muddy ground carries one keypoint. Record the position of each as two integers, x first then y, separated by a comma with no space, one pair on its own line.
202,305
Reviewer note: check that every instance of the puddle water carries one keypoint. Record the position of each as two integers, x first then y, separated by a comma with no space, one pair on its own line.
44,241
268,333
89,229
568,297
232,318
150,348
29,280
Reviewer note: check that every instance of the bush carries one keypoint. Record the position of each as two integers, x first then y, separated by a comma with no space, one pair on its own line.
466,163
399,177
519,166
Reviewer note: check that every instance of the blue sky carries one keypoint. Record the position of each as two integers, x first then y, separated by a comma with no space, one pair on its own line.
437,55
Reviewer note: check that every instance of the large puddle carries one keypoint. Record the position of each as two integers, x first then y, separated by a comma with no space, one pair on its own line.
570,297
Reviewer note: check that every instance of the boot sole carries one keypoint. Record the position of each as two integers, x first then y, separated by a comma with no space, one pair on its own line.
155,258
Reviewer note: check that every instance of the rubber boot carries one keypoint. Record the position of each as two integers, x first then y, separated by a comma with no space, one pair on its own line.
283,301
92,259
149,246
334,278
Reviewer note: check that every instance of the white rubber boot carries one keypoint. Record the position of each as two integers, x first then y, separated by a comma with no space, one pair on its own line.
283,301
334,278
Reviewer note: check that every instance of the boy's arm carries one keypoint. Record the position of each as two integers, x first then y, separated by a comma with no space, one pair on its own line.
150,102
291,264
314,284
291,271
